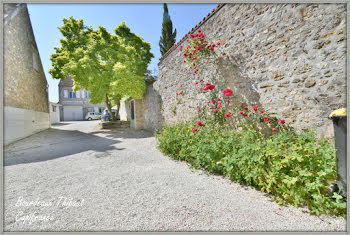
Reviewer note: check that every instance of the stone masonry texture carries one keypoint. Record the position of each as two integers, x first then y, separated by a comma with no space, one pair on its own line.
25,85
288,58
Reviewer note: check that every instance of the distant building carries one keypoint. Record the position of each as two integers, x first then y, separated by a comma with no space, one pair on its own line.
26,105
54,113
75,105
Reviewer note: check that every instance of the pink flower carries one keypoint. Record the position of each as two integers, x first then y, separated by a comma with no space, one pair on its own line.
255,107
227,102
199,123
228,114
215,110
213,101
201,88
273,129
224,53
219,105
241,112
201,80
185,54
194,130
261,111
187,40
181,48
218,99
209,86
198,109
227,92
282,121
218,43
212,106
190,106
184,61
204,106
242,104
266,119
181,85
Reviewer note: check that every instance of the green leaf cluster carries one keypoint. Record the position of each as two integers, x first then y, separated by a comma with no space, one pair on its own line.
294,169
107,65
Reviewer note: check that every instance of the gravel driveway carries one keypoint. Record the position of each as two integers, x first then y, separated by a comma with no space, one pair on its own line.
75,177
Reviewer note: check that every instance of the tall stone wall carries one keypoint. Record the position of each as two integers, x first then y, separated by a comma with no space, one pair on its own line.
25,85
288,58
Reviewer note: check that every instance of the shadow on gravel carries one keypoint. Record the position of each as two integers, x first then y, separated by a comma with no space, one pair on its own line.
56,143
125,133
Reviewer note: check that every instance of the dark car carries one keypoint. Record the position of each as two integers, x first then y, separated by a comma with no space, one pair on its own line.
106,115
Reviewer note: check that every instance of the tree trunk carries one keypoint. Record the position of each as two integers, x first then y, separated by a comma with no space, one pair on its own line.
118,108
109,107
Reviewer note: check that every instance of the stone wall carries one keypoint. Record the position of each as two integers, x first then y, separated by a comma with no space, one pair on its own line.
152,109
25,85
288,58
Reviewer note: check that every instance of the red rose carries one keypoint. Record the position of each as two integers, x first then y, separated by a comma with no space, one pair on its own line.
194,130
242,104
218,43
241,112
245,115
181,48
199,123
201,80
213,101
185,54
184,61
273,129
246,108
209,86
261,111
227,92
228,102
215,110
282,121
255,107
218,99
266,119
224,53
219,105
228,114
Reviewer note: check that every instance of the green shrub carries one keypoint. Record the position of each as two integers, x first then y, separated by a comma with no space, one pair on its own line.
294,169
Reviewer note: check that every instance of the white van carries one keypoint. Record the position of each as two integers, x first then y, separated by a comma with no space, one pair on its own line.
93,116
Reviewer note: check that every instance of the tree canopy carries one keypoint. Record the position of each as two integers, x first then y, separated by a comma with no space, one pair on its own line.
110,66
168,38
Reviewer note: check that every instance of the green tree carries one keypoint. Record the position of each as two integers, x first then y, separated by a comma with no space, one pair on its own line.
110,66
167,40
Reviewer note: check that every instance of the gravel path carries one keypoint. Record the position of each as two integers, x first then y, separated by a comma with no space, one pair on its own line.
75,177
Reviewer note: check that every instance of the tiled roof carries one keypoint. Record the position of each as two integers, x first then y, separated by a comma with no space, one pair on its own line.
210,14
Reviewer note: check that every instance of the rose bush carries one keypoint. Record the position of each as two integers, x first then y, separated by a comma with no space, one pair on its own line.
247,143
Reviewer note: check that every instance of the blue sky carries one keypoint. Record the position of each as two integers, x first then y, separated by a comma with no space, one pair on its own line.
143,19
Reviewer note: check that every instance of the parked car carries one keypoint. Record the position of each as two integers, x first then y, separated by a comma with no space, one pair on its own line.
92,116
106,115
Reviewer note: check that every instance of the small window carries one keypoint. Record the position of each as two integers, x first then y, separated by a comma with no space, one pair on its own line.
132,110
65,93
53,108
87,94
78,94
72,94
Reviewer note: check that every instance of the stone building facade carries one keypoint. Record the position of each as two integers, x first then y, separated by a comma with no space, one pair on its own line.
26,105
288,58
75,105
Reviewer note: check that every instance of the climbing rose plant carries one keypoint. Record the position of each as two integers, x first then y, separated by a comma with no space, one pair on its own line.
245,142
